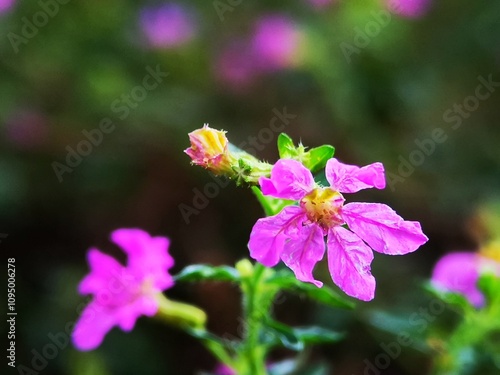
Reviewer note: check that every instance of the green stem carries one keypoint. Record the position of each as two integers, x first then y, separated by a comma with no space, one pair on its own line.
191,319
255,308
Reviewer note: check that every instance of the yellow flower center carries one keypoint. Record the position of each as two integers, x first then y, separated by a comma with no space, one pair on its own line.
323,206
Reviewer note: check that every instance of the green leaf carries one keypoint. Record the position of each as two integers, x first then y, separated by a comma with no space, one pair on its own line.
317,335
281,333
326,295
453,299
316,158
271,205
489,284
299,337
286,148
201,272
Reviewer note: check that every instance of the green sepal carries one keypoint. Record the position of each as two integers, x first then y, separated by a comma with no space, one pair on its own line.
271,205
287,281
202,272
314,159
286,148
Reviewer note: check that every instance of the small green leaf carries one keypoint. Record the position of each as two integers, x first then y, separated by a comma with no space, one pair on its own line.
317,335
281,333
454,299
490,286
286,148
299,337
326,295
316,158
201,272
271,205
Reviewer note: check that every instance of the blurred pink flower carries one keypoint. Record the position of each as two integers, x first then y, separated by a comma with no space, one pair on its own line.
409,8
168,25
26,128
224,370
296,234
122,294
5,5
459,272
275,42
320,4
235,65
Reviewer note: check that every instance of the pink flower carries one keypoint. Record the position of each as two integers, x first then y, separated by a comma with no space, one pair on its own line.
275,42
296,234
224,370
409,8
5,5
235,66
459,272
168,25
122,294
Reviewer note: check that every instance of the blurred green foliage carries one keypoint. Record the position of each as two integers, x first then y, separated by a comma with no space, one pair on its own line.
372,106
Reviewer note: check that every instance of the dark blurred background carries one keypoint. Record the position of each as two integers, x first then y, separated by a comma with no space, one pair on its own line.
374,79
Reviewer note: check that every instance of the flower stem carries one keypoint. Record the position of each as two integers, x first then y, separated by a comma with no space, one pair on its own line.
255,306
192,319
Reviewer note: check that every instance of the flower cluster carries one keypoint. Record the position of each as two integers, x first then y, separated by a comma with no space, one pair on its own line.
123,293
296,234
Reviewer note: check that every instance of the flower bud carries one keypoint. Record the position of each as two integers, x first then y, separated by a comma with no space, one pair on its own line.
209,149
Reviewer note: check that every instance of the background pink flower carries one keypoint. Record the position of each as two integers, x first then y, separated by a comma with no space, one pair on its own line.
459,272
122,293
296,234
5,5
235,65
276,42
168,25
409,8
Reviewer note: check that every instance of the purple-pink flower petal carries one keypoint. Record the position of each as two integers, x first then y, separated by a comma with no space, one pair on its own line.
147,256
269,234
122,294
459,272
302,253
383,229
289,180
92,326
103,268
347,178
349,260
